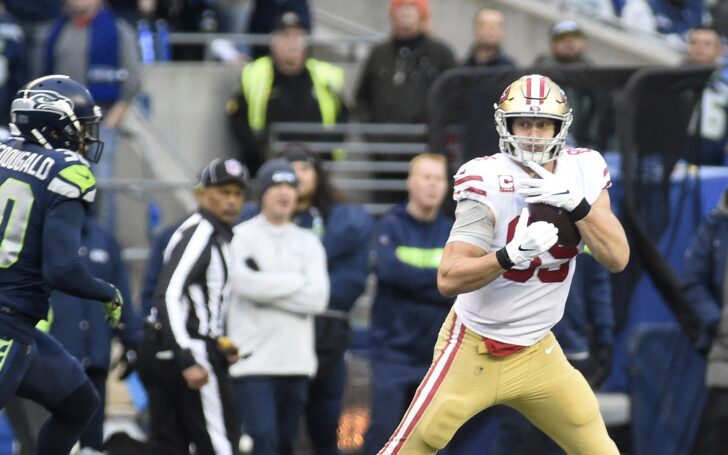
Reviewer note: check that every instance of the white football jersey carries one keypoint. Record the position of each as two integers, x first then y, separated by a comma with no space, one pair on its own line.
522,305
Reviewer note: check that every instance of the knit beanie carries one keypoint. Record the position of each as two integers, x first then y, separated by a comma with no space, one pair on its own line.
423,6
274,172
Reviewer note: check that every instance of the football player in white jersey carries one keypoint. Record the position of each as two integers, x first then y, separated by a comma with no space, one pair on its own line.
511,278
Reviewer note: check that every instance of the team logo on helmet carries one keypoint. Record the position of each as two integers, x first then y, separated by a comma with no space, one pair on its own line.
44,100
504,95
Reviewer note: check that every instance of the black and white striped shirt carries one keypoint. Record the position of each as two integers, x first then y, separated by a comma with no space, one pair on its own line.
193,292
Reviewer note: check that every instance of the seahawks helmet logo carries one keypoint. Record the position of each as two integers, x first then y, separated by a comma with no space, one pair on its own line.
44,100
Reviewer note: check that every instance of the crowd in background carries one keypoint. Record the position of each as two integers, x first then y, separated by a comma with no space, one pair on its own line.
301,282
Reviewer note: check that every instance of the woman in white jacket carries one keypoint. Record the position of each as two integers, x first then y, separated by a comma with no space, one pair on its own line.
280,281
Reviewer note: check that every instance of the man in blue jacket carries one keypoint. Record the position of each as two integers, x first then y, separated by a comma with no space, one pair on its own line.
705,282
408,310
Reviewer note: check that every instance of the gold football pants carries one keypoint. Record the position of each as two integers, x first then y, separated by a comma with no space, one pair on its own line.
464,379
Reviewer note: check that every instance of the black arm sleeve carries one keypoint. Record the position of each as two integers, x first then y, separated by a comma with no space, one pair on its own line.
62,268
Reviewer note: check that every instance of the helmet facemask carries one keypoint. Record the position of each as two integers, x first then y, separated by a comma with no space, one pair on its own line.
91,145
532,96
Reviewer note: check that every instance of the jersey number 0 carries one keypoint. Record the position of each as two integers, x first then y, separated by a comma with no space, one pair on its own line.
16,201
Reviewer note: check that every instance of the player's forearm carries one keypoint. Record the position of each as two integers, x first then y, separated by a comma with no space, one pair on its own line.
460,275
606,239
72,278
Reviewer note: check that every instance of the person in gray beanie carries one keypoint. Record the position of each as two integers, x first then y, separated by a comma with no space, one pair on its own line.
281,281
274,172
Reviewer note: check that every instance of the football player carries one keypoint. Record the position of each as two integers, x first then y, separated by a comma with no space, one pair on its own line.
511,279
46,187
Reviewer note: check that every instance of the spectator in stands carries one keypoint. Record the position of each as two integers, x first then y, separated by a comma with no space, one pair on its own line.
408,310
94,47
287,86
13,64
586,335
600,9
485,51
280,281
719,16
125,9
264,16
488,31
80,326
705,283
35,18
234,15
568,46
706,47
398,73
344,229
184,356
669,17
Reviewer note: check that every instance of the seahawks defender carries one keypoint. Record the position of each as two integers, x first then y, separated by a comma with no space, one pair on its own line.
46,187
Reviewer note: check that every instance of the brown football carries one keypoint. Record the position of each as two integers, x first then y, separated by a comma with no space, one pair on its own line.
569,235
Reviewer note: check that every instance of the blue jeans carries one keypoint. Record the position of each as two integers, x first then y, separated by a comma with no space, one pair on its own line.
324,408
269,409
104,171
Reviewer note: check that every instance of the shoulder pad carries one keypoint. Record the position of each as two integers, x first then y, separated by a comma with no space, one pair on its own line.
475,178
594,164
74,181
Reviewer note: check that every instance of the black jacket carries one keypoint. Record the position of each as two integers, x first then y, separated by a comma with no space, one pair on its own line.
396,78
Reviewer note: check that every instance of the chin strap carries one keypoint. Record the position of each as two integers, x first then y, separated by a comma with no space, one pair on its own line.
41,140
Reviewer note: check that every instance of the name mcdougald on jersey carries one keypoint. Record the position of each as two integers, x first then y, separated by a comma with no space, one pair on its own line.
31,163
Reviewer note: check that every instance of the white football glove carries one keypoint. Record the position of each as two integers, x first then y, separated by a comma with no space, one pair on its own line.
529,241
555,191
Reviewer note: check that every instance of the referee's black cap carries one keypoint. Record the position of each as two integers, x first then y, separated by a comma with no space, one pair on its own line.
220,172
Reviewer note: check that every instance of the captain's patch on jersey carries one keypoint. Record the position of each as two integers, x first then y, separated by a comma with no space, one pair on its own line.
506,183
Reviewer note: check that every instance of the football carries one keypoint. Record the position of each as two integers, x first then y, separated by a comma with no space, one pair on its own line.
568,233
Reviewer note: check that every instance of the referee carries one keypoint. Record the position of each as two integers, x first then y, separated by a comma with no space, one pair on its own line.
184,357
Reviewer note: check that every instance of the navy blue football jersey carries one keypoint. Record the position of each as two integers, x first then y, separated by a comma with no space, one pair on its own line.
714,120
32,181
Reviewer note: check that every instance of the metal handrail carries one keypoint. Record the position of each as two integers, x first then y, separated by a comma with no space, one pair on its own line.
352,184
389,148
366,166
400,129
143,185
264,39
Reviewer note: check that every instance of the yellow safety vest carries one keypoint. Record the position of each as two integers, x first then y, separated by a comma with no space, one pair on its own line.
257,80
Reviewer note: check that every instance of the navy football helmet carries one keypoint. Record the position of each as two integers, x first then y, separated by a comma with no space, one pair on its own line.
58,113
